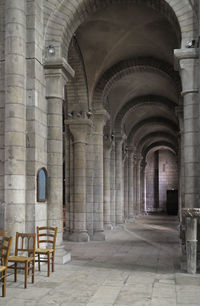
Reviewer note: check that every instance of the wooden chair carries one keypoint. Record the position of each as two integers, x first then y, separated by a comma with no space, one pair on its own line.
46,242
5,245
24,256
3,234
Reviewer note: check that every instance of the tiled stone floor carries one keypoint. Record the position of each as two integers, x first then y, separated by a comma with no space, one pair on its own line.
136,266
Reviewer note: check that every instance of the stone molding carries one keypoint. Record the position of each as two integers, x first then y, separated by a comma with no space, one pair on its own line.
191,212
59,63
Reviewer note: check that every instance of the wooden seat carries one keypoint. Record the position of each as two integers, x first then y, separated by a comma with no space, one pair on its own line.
24,256
46,241
5,245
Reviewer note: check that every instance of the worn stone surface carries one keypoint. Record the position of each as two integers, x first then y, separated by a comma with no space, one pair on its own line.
136,266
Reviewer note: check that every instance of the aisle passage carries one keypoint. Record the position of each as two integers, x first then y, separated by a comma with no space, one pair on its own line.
136,266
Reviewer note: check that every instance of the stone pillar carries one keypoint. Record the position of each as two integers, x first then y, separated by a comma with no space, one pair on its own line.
156,180
118,180
130,184
134,184
138,184
187,63
15,114
112,185
80,129
100,118
56,74
125,189
107,193
142,187
191,215
179,113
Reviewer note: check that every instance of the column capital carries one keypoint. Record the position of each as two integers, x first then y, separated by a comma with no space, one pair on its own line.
80,128
186,61
57,72
100,117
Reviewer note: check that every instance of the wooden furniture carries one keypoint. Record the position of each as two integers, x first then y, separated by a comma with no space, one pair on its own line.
3,234
46,241
5,245
24,256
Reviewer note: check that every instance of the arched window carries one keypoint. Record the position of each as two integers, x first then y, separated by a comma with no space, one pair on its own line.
42,185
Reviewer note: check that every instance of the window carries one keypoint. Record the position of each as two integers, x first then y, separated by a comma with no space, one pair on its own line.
42,185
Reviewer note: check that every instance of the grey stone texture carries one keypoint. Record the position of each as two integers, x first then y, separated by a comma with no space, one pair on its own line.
70,69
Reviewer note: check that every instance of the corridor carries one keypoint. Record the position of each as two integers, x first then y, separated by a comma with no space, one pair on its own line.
137,266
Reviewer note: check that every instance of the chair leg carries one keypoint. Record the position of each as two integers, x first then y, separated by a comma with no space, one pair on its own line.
48,255
53,255
15,275
4,284
33,271
39,262
26,274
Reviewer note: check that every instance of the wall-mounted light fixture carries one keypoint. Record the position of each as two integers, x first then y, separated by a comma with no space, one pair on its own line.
190,43
51,49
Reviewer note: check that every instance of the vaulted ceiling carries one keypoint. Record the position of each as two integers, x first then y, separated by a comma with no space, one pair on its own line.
129,49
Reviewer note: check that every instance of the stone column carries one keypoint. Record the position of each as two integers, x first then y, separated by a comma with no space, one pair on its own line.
187,62
80,129
15,110
156,180
179,113
56,74
107,193
118,180
188,65
142,187
100,118
130,184
134,184
112,185
125,189
138,184
191,215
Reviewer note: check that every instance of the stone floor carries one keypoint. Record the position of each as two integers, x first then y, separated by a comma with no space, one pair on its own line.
135,266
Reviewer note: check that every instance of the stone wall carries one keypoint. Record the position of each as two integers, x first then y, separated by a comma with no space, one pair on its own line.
167,179
2,109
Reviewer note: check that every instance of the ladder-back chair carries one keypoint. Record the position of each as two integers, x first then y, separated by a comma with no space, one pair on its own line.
46,242
3,234
5,245
24,256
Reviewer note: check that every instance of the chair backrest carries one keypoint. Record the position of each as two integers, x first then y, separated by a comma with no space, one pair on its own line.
5,246
46,235
25,243
3,234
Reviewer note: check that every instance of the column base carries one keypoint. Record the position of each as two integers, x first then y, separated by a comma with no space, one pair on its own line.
130,220
62,256
99,236
79,237
108,226
120,226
